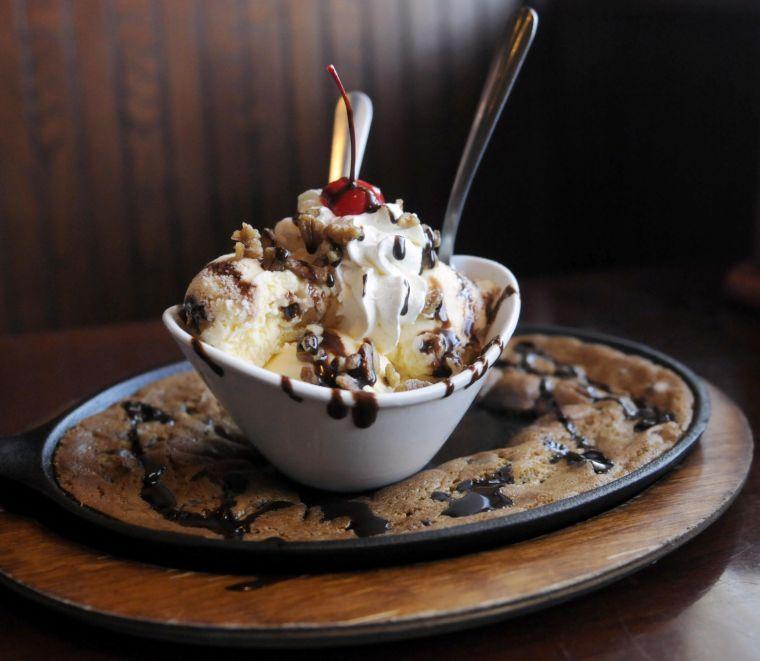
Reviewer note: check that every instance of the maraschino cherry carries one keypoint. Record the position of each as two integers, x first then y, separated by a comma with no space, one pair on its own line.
349,196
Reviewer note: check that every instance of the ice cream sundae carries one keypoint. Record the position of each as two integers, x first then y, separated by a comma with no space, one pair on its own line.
346,293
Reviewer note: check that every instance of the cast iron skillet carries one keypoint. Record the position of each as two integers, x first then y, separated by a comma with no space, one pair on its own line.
28,459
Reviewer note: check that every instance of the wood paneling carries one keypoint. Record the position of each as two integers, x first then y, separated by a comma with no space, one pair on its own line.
136,134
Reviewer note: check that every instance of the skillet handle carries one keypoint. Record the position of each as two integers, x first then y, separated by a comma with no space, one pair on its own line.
21,457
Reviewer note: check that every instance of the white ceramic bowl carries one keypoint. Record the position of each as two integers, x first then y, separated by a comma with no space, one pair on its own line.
291,422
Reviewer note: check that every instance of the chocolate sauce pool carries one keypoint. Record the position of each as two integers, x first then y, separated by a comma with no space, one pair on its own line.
480,495
222,520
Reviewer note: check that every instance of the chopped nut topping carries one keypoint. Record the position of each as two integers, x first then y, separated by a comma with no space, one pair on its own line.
347,382
334,255
433,236
312,231
412,384
309,375
275,259
392,377
436,239
429,256
318,274
316,329
353,362
343,231
267,238
310,343
407,220
248,242
354,372
452,364
366,373
433,302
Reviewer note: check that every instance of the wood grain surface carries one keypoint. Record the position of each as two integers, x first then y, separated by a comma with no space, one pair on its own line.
370,605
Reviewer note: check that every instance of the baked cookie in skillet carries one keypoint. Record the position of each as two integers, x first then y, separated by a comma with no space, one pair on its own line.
170,458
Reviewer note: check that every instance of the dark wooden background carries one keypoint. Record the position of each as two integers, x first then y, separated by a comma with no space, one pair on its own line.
136,134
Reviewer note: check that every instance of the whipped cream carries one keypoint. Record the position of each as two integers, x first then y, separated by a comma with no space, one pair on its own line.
379,286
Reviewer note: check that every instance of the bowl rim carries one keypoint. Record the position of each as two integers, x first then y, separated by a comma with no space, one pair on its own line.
324,394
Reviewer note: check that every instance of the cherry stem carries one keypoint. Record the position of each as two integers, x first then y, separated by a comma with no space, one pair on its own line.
350,114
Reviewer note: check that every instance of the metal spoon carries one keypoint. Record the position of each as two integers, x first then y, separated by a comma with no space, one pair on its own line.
340,154
504,70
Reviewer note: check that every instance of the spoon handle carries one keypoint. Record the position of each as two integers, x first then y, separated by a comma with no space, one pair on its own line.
340,155
504,70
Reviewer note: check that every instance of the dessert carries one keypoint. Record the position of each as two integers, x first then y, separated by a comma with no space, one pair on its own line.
560,416
347,293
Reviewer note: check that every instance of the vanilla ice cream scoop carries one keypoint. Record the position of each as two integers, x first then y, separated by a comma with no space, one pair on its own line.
240,307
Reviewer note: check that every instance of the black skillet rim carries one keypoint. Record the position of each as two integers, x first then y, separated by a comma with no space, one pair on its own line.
506,528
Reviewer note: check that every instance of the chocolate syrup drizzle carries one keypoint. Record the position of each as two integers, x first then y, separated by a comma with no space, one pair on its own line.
336,408
596,459
399,247
229,270
479,365
325,354
443,345
646,416
529,358
364,411
429,255
480,495
200,351
287,386
220,520
333,343
405,306
363,521
478,369
492,309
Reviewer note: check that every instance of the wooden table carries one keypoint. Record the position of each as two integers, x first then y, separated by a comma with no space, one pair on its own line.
701,602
